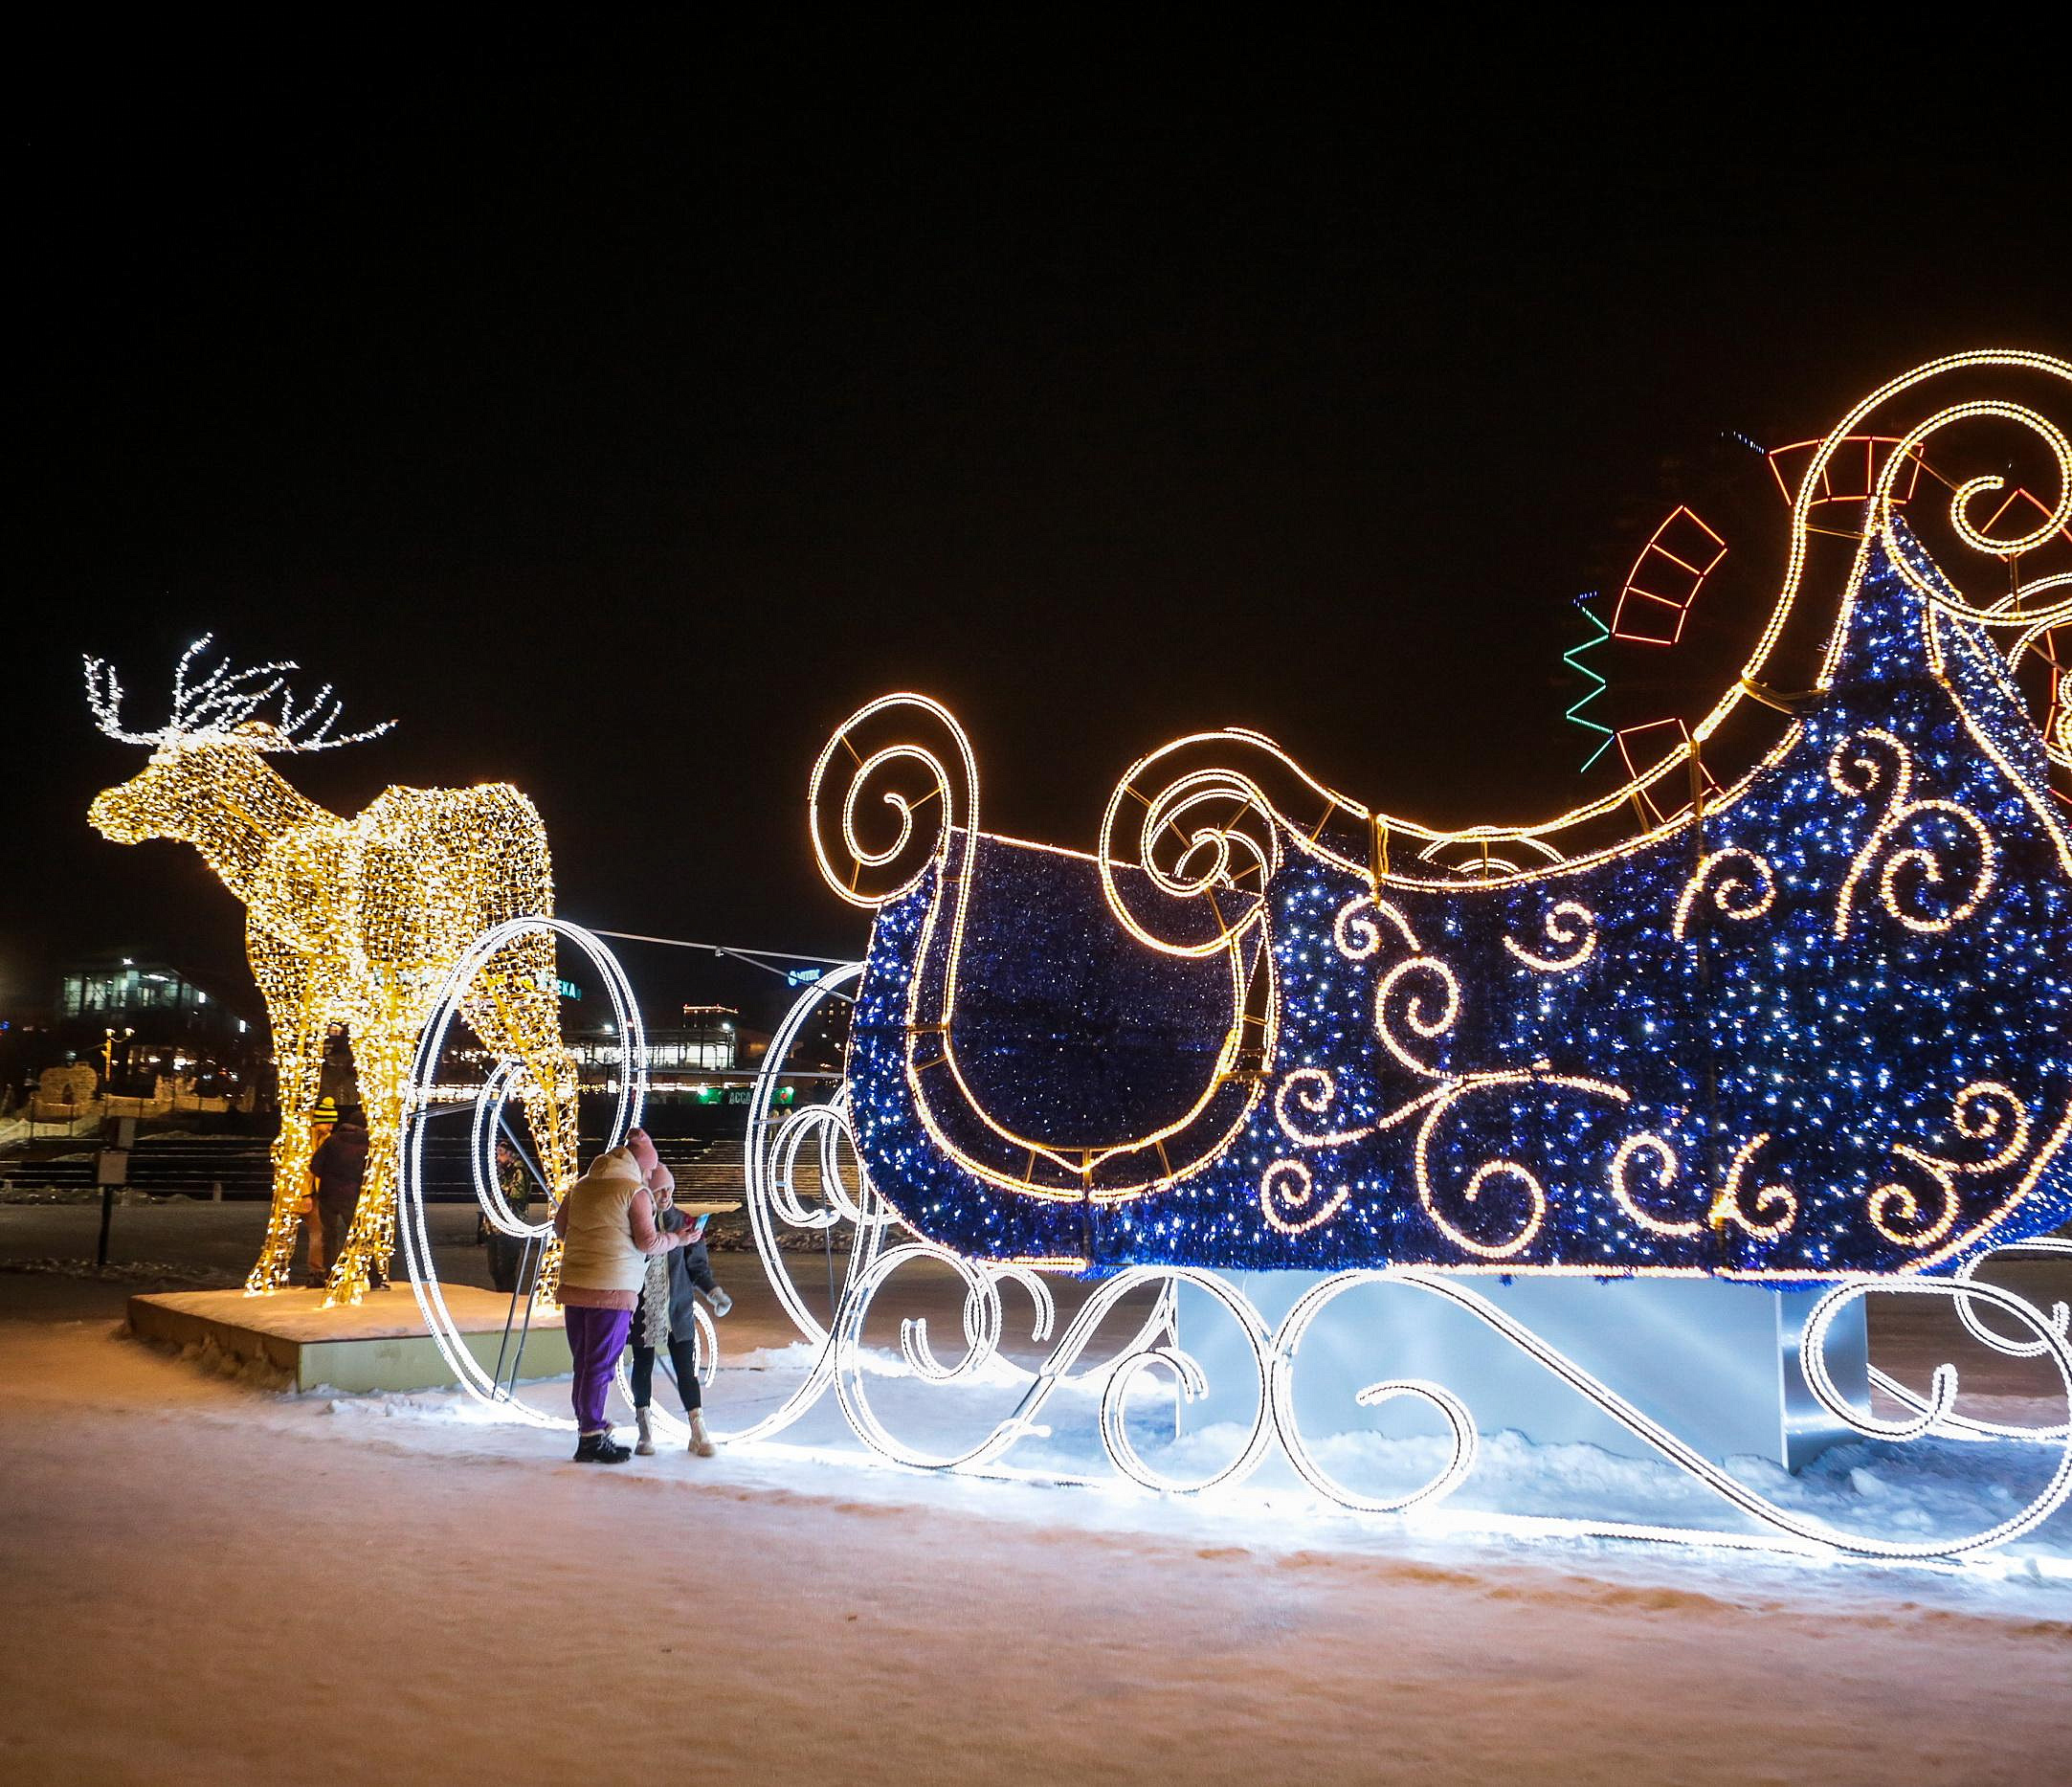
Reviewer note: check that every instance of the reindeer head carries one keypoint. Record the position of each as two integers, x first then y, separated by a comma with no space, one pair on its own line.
213,743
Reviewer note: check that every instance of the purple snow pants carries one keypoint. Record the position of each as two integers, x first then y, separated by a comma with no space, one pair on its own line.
596,1338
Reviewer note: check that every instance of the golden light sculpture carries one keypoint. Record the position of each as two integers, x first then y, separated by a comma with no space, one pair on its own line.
349,921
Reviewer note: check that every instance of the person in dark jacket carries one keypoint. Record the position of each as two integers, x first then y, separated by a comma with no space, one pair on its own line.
339,1169
338,1086
507,1253
666,1317
338,1080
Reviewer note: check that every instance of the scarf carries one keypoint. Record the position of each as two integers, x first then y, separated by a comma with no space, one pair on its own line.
654,1303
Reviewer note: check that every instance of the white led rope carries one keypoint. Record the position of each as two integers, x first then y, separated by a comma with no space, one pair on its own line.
1281,1381
2015,1349
839,1363
757,1155
1812,1350
485,1125
1193,1385
1972,1427
1275,1362
982,1332
768,1192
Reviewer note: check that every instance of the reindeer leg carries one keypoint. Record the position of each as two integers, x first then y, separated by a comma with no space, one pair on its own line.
294,1008
383,1065
513,1009
371,1242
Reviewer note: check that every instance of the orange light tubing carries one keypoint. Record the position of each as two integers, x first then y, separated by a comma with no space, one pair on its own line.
1665,579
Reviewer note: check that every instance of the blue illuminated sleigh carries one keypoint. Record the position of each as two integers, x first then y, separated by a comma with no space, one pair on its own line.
1818,1028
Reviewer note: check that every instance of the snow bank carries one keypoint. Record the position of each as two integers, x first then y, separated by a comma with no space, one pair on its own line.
226,1586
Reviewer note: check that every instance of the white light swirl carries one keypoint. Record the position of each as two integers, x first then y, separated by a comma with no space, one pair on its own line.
1811,1351
760,1154
1280,1378
2059,1321
485,1125
1115,1437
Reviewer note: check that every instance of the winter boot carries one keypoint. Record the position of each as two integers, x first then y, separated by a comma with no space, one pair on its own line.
600,1449
702,1445
645,1444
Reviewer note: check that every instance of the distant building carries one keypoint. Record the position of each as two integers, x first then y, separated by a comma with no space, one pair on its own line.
143,1024
707,1043
823,1041
712,1036
119,989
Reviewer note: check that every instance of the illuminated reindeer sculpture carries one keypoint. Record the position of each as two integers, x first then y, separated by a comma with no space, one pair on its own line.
350,921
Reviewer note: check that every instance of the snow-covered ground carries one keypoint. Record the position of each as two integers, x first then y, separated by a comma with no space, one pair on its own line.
203,1578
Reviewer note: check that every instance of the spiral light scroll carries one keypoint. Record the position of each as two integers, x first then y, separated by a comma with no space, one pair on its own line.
1424,993
1207,840
926,762
1570,939
2051,646
1874,762
1762,1210
1281,1386
1192,1384
1288,1198
1357,931
1529,1196
1742,884
1984,1111
2030,608
1308,1093
1655,1153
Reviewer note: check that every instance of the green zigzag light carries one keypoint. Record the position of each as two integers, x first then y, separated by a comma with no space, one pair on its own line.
1572,659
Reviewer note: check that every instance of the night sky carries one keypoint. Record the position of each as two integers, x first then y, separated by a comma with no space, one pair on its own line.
619,420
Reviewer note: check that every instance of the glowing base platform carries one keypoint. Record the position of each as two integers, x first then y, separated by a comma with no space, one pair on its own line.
1714,1361
380,1344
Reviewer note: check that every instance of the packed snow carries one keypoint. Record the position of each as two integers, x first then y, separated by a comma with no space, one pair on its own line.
208,1578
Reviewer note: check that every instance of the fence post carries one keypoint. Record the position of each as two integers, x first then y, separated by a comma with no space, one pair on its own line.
111,1167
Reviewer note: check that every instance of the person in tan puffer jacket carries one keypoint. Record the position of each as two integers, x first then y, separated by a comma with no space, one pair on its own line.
607,1230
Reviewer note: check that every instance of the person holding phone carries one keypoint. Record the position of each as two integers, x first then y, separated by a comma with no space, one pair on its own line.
667,1318
608,1233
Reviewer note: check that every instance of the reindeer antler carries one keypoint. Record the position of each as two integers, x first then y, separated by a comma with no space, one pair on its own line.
105,696
222,702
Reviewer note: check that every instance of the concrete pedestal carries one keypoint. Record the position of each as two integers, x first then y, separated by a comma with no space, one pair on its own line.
1714,1361
380,1345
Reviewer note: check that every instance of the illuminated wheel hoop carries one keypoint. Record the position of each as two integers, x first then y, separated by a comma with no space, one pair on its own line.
489,1105
771,1158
